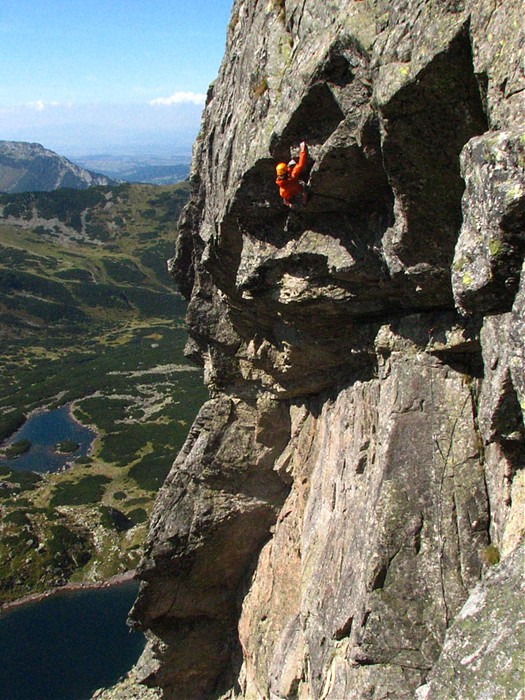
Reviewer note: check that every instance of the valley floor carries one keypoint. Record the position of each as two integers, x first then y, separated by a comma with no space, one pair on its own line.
87,524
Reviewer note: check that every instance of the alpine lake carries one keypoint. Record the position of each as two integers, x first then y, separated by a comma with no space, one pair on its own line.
68,645
49,441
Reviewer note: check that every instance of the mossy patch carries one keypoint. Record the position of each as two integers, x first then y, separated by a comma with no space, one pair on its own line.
495,247
491,555
260,88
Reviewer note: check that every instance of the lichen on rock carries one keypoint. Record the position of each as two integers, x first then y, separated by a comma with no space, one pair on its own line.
483,654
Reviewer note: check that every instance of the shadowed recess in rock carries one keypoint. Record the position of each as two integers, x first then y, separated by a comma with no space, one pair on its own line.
426,124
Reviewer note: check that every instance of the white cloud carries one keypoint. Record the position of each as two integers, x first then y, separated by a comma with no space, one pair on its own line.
40,105
195,98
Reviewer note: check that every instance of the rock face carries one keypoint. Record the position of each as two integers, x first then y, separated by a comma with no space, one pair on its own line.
29,167
359,465
484,651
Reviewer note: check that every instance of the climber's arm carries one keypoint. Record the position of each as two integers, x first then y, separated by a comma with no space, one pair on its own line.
302,160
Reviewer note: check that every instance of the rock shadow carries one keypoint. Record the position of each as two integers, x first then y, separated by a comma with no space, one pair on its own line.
426,125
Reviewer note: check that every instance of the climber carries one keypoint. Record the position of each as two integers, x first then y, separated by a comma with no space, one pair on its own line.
290,188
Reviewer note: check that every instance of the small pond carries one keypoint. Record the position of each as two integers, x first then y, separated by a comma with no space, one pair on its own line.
66,646
44,430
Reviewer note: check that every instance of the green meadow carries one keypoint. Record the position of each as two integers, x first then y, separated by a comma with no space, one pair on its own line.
89,317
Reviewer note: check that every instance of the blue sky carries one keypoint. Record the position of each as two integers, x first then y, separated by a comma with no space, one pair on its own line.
85,76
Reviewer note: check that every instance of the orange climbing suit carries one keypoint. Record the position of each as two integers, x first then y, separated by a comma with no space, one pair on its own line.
290,187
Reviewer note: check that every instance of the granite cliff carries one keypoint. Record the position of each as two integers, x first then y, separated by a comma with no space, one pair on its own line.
345,518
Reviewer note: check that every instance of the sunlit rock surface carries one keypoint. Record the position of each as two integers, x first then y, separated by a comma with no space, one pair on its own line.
484,650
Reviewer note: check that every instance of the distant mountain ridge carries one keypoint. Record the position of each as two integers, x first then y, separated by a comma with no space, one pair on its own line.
156,170
29,167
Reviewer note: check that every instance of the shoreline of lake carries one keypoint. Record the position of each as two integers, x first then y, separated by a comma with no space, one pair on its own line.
115,580
85,435
93,428
33,412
